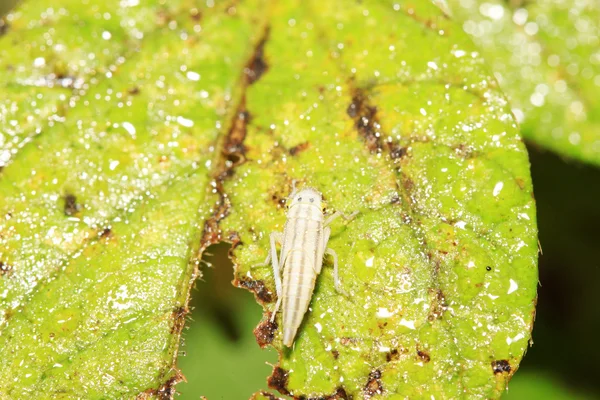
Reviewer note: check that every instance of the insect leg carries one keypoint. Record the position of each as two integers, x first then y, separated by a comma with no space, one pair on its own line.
336,214
336,277
276,237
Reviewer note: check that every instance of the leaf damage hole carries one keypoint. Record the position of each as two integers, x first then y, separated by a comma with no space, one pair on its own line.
219,306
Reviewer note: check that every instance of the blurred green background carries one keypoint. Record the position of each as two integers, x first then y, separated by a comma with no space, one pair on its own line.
221,359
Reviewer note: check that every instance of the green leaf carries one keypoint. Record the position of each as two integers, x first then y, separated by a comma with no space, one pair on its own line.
385,109
545,55
187,127
107,188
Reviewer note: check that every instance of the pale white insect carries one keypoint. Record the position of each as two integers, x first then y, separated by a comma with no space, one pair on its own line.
303,246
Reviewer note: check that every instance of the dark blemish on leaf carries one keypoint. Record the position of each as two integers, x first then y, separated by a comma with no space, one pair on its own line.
374,385
464,151
278,200
259,289
166,391
336,354
195,14
232,155
257,65
234,149
5,269
397,152
407,183
392,355
423,356
488,268
340,394
265,332
235,240
501,366
278,380
134,91
395,199
106,233
299,148
8,314
438,305
365,120
71,207
178,317
63,80
348,341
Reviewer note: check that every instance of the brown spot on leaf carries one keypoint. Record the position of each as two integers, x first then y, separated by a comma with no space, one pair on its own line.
501,366
71,206
106,233
278,380
365,120
265,332
423,356
257,287
234,149
397,151
374,385
392,355
178,317
407,183
346,341
195,14
257,65
165,392
336,354
5,269
340,394
134,91
299,148
438,304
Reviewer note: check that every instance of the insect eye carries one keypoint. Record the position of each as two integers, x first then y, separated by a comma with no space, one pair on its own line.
312,200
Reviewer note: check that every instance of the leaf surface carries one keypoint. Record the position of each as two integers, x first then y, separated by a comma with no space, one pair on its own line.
386,109
188,126
545,56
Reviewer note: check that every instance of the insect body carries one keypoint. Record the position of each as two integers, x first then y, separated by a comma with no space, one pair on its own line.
303,246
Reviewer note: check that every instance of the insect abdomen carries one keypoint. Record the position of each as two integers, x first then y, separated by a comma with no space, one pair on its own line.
304,233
